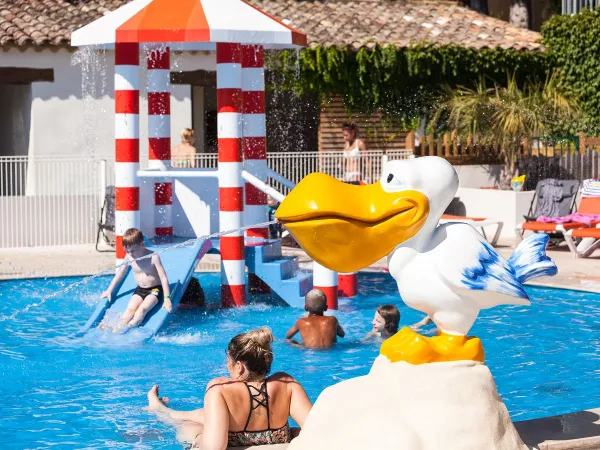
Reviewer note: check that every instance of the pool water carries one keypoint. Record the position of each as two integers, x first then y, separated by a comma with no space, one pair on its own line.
67,392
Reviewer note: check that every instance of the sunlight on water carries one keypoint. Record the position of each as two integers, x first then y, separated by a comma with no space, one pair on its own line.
88,391
124,263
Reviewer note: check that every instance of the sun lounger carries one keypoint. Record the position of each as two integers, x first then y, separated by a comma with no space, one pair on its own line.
477,222
590,241
588,205
564,207
572,231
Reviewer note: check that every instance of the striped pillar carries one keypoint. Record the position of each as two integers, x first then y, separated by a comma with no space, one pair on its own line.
255,137
327,281
254,144
127,142
348,284
231,186
159,134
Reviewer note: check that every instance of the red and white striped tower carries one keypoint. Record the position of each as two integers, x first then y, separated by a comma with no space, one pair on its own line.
255,137
159,134
327,281
255,149
348,284
127,141
231,185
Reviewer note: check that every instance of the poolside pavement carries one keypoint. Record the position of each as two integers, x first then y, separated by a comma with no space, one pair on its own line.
81,260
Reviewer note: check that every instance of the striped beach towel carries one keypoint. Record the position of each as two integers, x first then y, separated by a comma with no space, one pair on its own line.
591,188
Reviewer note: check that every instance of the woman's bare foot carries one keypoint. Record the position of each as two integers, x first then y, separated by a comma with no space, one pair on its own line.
156,403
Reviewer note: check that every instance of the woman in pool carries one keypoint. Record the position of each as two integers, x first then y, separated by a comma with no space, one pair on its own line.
247,409
385,322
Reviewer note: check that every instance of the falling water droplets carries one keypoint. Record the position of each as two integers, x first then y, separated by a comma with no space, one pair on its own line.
111,270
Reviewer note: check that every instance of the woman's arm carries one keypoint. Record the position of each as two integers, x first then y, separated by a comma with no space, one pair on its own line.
300,404
216,421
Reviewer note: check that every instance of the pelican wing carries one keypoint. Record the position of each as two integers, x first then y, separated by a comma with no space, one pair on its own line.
473,264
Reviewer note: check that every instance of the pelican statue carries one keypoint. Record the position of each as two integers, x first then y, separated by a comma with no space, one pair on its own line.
447,271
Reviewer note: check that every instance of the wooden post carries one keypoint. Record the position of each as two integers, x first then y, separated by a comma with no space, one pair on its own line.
430,144
410,141
469,144
454,138
446,144
581,136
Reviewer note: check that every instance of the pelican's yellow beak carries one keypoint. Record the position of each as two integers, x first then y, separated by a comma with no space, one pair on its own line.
346,227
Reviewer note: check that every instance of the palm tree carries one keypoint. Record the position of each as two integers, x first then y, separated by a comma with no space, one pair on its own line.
507,115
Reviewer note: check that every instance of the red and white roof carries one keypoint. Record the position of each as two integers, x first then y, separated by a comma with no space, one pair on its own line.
188,25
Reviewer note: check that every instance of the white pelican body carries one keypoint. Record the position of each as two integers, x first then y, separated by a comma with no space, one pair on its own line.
449,271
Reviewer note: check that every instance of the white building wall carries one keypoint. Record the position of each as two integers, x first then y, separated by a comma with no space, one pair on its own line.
74,114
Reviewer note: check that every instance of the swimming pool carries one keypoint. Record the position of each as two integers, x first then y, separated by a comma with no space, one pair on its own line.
88,392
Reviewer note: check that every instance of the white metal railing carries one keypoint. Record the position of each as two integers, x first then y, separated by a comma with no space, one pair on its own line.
48,200
56,200
293,166
575,6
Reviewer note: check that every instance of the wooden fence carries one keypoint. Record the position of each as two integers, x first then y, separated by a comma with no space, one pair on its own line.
457,150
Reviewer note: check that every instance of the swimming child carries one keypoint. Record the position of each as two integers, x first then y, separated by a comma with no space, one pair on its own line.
385,322
426,321
150,277
317,330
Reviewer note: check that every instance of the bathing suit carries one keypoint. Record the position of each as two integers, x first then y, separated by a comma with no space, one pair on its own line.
145,292
259,397
354,155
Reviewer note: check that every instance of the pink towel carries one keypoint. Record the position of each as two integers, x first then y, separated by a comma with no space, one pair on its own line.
575,217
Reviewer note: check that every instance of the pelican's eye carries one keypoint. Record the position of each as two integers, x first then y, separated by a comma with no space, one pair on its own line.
390,177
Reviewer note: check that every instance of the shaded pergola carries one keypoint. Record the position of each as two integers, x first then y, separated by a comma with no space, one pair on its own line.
238,32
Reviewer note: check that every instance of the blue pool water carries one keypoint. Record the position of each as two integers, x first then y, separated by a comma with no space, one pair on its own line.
64,392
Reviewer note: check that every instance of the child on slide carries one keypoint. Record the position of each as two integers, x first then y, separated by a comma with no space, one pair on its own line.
150,277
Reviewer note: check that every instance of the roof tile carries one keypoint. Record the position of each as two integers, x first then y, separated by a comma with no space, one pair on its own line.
343,23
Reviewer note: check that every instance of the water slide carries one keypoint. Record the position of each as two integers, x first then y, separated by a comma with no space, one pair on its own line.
179,264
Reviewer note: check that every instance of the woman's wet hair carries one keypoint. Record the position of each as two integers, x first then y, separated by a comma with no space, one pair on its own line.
391,316
253,349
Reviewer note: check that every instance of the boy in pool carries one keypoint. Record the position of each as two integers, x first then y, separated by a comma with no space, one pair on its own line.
317,330
150,277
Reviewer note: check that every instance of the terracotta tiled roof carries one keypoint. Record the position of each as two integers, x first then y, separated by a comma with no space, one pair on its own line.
401,23
327,22
40,22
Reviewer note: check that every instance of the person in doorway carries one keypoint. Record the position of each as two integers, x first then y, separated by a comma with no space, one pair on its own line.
352,154
248,408
317,330
150,276
184,154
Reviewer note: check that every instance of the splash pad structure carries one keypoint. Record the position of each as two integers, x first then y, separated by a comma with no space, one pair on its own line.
237,34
